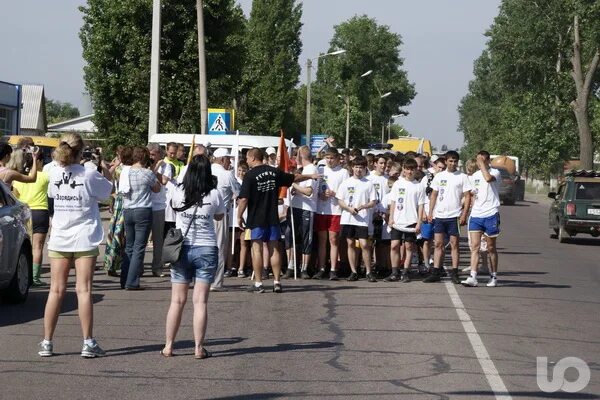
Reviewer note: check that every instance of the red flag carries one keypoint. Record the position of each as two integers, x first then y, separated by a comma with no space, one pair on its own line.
285,163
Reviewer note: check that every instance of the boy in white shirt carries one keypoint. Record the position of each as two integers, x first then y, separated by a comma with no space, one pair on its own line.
485,217
356,195
448,211
380,183
406,210
327,219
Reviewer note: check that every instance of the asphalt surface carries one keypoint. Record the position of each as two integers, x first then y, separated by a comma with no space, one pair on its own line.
323,339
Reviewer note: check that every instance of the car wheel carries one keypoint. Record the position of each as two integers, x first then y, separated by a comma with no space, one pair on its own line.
18,290
563,236
509,201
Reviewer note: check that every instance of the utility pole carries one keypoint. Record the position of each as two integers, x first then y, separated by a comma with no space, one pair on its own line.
202,69
347,121
154,71
308,77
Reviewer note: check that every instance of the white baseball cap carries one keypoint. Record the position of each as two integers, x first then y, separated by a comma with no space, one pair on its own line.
434,158
270,150
221,152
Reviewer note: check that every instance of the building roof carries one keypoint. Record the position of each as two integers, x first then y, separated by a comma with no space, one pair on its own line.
82,124
33,114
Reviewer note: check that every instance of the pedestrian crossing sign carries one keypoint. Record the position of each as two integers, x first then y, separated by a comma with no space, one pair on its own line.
220,121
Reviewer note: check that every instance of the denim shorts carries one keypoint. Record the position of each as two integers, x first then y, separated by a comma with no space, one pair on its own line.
488,225
196,263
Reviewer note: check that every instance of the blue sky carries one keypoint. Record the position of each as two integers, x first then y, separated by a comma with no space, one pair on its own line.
441,38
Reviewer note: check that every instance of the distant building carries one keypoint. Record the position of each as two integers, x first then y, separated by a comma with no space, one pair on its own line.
33,111
10,108
82,125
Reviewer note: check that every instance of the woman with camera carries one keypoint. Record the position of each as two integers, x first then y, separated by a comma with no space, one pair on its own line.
74,239
197,204
137,183
11,165
35,195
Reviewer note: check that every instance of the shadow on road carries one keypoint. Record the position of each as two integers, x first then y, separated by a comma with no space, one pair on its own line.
179,345
531,285
278,348
33,308
259,396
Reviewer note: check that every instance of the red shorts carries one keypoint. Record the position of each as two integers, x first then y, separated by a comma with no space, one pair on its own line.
327,223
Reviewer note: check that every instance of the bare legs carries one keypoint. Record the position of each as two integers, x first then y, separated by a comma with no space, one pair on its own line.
179,294
59,273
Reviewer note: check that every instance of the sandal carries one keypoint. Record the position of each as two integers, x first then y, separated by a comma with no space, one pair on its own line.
203,354
165,354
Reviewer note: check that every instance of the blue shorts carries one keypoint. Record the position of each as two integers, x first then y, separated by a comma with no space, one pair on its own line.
196,263
448,226
488,225
426,230
265,233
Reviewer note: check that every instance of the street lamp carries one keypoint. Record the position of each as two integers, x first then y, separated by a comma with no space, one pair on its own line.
308,69
400,114
382,96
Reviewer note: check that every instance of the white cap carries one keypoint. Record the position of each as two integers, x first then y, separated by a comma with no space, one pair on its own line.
434,158
221,152
270,150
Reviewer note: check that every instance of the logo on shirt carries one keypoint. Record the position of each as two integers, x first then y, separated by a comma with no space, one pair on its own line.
66,180
444,183
401,191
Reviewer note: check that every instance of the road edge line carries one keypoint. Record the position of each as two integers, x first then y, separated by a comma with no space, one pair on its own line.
487,365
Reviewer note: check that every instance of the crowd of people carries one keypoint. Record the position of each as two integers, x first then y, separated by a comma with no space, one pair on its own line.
340,215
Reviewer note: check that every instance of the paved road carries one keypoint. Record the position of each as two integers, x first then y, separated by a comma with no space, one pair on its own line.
332,339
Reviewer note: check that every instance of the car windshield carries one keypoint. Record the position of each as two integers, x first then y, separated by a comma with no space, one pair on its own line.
587,191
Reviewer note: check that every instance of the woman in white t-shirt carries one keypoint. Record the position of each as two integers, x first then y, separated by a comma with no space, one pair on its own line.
74,238
197,204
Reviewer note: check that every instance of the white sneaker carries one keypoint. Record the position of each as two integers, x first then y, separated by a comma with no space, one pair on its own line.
470,281
493,282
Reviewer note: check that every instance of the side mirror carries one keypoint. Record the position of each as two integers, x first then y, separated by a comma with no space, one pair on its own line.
552,195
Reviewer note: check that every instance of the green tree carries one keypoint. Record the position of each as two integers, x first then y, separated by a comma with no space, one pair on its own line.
116,39
534,83
271,71
58,111
368,46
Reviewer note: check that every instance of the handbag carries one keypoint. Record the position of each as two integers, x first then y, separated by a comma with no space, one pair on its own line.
173,242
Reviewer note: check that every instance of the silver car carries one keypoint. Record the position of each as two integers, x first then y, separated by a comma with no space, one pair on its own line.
15,248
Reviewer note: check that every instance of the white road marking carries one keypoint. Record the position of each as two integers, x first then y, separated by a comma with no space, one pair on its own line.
487,365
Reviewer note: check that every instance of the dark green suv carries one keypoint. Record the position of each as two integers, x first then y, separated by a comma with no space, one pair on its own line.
576,205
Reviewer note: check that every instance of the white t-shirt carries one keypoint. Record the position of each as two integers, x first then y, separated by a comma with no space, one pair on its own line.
424,187
450,187
380,183
307,202
76,225
356,192
486,199
406,197
159,200
227,184
202,229
332,178
385,231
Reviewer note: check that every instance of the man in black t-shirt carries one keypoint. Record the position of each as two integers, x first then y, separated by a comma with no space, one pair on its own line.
260,194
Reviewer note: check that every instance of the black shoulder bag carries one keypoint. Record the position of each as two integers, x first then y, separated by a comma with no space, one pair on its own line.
174,241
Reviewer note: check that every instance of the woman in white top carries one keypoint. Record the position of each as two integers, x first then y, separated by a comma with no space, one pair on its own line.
197,204
74,238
